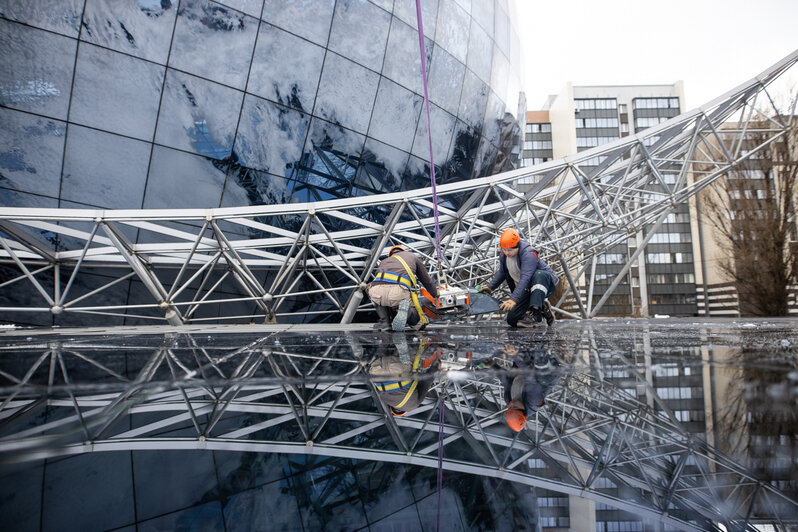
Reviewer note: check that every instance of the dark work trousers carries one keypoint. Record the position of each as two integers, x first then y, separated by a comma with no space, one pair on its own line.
540,289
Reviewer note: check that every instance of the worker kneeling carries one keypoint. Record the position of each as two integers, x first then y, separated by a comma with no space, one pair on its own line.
394,290
531,280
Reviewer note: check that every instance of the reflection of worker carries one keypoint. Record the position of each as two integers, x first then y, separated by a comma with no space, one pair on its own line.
401,383
393,290
532,377
529,278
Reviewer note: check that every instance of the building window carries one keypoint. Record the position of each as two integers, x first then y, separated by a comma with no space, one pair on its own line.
595,103
656,103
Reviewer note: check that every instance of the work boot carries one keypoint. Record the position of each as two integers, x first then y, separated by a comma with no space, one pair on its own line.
384,321
382,325
547,313
400,320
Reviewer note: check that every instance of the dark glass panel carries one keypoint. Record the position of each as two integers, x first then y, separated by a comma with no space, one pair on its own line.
60,16
465,142
143,29
203,518
402,60
213,42
328,167
180,180
106,170
494,114
500,73
473,101
116,92
384,164
429,15
480,55
102,478
359,32
21,493
246,186
168,481
268,507
398,115
293,79
453,26
310,20
198,115
37,70
445,80
31,151
346,93
270,136
12,198
485,159
442,129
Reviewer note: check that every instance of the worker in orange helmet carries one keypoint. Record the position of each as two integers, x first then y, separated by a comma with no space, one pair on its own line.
530,279
393,290
533,375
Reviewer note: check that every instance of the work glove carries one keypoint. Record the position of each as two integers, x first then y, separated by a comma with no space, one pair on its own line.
485,290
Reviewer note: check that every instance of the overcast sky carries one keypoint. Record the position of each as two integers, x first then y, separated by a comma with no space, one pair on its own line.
711,45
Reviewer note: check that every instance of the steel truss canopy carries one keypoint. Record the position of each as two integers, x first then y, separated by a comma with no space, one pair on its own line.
313,260
276,391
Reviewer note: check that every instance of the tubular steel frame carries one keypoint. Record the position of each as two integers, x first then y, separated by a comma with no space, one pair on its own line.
327,250
267,397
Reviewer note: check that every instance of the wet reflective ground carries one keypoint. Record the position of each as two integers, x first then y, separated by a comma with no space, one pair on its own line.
689,422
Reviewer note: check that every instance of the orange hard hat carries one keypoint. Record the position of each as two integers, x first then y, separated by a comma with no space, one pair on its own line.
515,420
509,239
394,249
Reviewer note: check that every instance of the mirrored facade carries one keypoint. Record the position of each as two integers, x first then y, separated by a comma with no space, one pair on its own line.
195,103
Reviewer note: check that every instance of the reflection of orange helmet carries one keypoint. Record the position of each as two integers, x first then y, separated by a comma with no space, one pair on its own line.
509,239
395,249
515,420
397,413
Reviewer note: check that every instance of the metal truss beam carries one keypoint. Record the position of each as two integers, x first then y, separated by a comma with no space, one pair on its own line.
316,257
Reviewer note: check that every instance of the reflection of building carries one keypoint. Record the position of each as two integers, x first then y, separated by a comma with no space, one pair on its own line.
197,104
582,117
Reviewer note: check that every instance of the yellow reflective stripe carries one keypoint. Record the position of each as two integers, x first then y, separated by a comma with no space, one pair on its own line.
421,316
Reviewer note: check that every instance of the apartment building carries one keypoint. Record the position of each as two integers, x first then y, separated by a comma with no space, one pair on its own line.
582,117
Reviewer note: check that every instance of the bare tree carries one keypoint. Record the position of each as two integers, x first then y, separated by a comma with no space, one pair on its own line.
752,211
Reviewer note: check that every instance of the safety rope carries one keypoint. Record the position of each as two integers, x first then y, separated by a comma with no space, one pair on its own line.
437,230
429,137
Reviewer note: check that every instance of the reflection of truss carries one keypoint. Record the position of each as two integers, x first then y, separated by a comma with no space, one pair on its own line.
283,394
270,257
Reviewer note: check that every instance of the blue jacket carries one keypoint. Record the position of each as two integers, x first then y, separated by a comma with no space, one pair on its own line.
529,263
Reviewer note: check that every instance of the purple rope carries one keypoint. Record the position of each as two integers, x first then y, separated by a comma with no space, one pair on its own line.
429,132
440,456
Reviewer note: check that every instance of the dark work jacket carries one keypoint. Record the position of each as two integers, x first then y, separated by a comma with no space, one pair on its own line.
390,264
528,263
537,383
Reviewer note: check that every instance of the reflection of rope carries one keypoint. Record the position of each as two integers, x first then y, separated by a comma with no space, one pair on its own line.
440,454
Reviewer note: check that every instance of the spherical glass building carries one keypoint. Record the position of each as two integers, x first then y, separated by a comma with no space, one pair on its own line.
159,104
196,103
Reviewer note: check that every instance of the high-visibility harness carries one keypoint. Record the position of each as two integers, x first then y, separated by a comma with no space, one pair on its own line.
412,382
413,290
